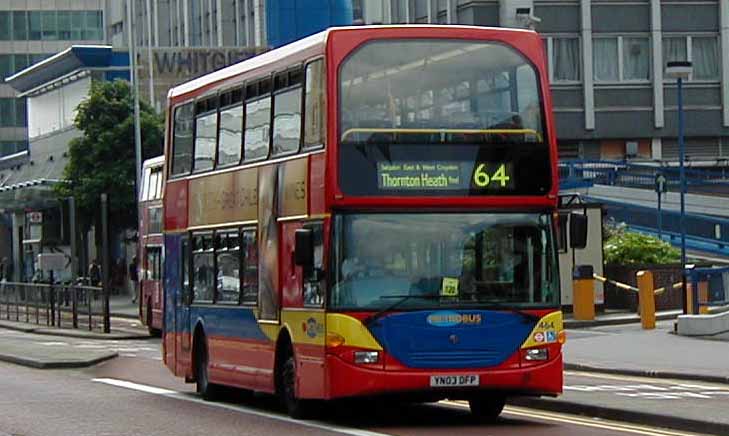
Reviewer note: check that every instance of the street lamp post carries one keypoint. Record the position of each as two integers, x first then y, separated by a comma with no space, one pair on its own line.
680,71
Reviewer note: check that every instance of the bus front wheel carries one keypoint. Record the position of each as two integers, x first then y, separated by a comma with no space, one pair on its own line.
487,408
295,407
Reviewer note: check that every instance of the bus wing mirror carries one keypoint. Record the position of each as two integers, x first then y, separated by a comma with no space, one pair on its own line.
304,249
578,230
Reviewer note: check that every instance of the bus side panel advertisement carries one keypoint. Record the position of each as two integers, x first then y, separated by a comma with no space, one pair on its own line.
268,243
292,188
224,198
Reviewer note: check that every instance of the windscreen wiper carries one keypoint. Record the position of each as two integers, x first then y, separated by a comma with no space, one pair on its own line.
401,299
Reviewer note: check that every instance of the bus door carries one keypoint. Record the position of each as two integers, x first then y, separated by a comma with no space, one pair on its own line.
182,305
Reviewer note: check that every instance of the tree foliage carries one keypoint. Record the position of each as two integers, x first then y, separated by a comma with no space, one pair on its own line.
102,159
625,247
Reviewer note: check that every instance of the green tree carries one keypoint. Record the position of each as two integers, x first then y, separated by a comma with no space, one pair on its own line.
102,159
625,247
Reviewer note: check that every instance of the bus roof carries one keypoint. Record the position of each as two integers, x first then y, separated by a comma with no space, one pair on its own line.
303,44
154,162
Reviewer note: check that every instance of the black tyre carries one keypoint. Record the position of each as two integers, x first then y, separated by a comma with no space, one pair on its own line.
487,408
152,331
295,407
208,391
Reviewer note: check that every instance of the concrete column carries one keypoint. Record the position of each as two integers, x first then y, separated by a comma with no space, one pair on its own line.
219,16
237,23
259,23
589,91
657,39
656,148
451,11
18,223
724,14
186,20
433,11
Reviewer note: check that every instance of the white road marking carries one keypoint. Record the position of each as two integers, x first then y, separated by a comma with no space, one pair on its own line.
180,396
673,391
585,422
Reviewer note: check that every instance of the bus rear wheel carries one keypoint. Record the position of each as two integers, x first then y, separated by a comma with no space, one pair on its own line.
208,391
487,408
154,332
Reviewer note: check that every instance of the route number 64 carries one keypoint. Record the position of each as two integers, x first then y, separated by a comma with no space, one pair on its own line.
482,179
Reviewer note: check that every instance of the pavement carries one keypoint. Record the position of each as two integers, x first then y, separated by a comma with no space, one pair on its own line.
613,371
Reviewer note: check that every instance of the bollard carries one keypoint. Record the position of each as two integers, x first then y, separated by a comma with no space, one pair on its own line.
583,287
703,296
647,299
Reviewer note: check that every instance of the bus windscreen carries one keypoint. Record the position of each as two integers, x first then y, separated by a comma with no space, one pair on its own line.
441,117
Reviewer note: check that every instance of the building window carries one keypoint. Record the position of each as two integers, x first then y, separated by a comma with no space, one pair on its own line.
702,51
621,59
20,25
636,59
563,57
5,25
9,148
12,112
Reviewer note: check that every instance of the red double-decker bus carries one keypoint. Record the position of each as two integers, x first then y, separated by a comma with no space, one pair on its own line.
150,252
367,211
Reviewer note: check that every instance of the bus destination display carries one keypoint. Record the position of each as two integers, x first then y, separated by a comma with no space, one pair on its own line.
445,176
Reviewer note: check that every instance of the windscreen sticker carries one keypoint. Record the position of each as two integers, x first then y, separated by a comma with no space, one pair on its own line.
449,288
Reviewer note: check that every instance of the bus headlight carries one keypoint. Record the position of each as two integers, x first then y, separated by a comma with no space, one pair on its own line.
536,354
361,357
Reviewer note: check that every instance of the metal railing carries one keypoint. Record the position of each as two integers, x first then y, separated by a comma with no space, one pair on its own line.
57,305
716,290
637,175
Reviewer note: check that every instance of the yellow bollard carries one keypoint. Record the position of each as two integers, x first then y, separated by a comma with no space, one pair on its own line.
583,293
647,300
703,297
690,298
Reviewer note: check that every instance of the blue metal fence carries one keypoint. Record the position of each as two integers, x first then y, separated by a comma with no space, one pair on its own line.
574,173
703,232
718,286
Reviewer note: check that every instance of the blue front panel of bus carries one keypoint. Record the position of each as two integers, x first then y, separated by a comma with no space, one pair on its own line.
452,339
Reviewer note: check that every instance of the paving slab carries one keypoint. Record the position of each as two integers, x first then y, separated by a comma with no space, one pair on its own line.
680,405
628,349
120,329
44,352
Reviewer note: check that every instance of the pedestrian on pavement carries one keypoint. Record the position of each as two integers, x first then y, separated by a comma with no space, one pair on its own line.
134,279
6,270
5,273
94,273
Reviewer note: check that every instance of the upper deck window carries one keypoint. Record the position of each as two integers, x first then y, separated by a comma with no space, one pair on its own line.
315,104
182,151
258,120
439,84
441,117
230,129
206,122
287,112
